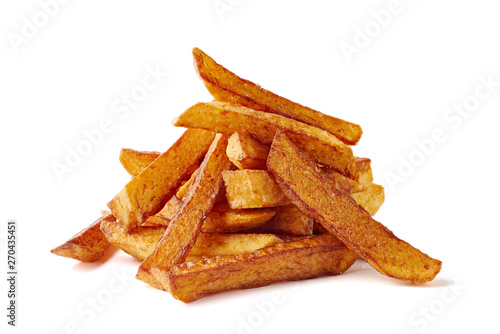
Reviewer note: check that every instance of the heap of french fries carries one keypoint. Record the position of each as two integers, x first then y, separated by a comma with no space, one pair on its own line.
258,189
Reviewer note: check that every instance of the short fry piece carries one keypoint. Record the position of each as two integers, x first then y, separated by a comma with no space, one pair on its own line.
226,86
290,220
371,199
183,230
305,185
246,152
249,189
149,191
288,261
227,118
134,161
87,245
223,219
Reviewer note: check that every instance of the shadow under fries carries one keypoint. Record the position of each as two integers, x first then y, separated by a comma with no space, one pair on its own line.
87,266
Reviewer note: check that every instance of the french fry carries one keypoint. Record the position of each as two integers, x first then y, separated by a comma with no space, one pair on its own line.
223,219
226,86
305,185
290,220
246,152
295,260
88,245
185,227
148,192
141,242
226,118
165,215
134,161
249,189
371,199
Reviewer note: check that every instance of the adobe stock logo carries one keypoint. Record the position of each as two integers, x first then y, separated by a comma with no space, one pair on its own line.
453,118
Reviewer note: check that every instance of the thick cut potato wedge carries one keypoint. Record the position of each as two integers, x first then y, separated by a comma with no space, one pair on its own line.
226,86
246,152
295,260
371,199
228,118
141,242
185,227
250,188
134,161
166,214
223,219
149,191
306,186
87,245
290,220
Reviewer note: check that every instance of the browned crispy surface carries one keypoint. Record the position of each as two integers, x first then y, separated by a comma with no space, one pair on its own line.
135,161
305,185
227,118
371,199
288,219
87,245
148,192
183,230
288,261
246,152
223,219
226,86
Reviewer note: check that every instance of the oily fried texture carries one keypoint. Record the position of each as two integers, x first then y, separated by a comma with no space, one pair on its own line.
87,245
250,188
165,215
290,220
226,86
245,152
141,242
306,186
149,191
223,219
226,118
135,161
371,199
184,228
288,261
363,177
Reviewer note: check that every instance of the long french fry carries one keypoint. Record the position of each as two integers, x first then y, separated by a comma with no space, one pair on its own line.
304,184
226,86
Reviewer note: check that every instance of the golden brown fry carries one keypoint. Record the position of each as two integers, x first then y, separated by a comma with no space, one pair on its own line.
88,245
249,189
141,242
134,161
290,220
226,118
149,191
165,215
289,261
223,219
183,230
305,185
371,199
246,152
226,86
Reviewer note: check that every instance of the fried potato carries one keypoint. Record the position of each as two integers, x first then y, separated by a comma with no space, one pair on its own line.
141,242
246,152
87,245
223,219
305,185
226,86
290,220
148,192
226,118
295,260
165,215
371,199
249,189
185,227
134,161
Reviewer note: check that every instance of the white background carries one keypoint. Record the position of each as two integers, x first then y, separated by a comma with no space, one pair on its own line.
69,74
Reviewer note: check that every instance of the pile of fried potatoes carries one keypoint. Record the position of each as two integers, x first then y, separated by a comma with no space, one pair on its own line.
257,190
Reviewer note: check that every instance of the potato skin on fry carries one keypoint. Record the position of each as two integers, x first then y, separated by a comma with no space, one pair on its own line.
87,245
302,181
183,230
226,86
289,261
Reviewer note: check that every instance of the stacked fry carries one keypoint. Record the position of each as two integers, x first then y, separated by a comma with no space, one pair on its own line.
258,189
